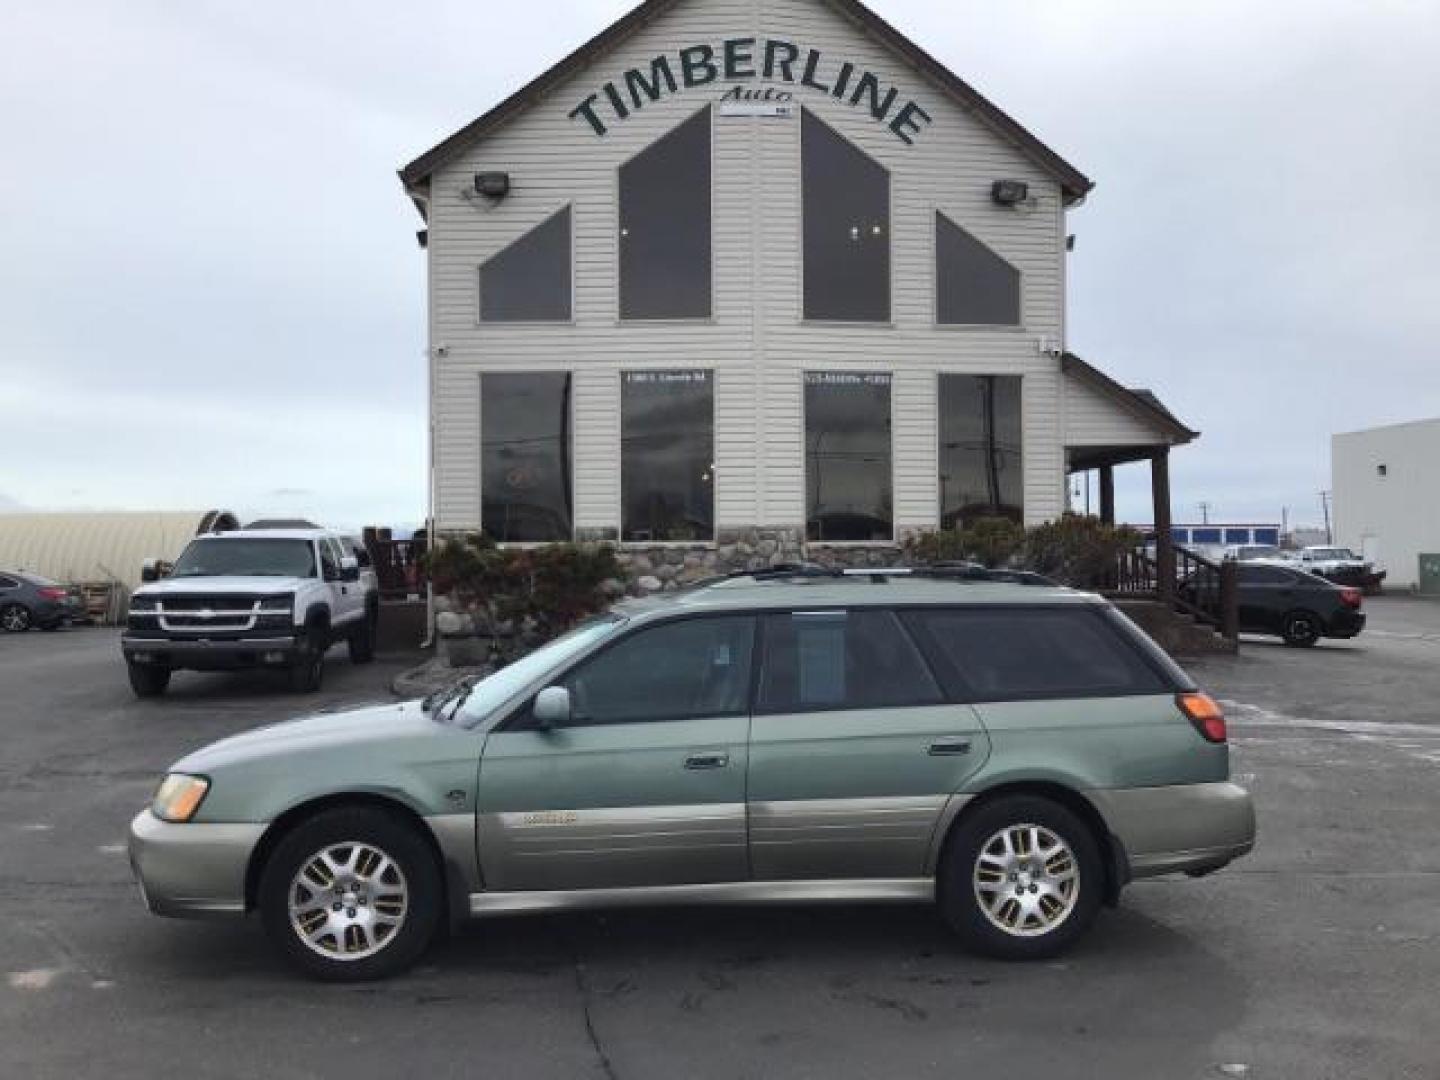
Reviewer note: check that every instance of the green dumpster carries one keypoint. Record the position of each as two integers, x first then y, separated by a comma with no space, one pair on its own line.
1430,574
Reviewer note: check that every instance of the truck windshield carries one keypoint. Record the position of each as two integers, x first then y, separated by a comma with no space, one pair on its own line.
246,558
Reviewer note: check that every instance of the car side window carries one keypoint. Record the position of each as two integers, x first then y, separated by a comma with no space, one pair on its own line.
8,583
1025,653
329,560
681,670
1265,575
833,660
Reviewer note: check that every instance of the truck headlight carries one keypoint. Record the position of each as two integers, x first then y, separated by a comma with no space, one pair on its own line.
139,604
179,797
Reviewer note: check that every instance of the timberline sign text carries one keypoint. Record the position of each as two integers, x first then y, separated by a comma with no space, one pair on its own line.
741,59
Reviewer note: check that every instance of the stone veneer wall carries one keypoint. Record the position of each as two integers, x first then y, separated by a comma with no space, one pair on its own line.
660,567
664,567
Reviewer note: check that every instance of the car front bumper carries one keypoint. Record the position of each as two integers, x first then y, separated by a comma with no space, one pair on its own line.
193,871
210,655
1185,827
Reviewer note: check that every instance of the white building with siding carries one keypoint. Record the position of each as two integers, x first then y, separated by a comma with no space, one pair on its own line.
757,279
1387,498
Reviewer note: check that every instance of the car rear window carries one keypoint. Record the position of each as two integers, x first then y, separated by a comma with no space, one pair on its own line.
999,654
841,660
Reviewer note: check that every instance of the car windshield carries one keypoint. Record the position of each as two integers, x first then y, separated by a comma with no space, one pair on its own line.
246,558
489,694
1258,551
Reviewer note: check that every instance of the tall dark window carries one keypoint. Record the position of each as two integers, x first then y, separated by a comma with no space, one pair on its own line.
981,466
847,457
973,285
846,196
529,281
525,457
665,263
667,470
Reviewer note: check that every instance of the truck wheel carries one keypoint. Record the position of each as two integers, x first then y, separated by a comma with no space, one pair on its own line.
148,682
1301,629
308,671
1022,879
352,894
362,640
15,618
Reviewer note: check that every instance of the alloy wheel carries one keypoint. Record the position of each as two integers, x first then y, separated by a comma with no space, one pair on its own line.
348,901
1027,880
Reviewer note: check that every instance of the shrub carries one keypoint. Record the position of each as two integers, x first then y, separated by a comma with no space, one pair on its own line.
1079,551
523,597
990,541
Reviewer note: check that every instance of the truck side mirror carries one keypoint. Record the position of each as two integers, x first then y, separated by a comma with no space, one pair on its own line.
551,708
153,570
349,568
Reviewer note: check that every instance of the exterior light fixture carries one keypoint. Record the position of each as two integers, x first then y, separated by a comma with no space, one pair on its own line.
493,185
1009,192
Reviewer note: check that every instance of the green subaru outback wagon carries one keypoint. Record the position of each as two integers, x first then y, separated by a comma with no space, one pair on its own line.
1013,753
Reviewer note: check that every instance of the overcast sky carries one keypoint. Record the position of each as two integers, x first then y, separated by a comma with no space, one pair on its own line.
211,295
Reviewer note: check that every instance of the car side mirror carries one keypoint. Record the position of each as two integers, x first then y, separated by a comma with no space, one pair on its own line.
349,568
153,570
551,708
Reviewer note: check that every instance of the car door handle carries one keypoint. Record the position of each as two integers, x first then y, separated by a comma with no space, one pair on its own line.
949,747
707,761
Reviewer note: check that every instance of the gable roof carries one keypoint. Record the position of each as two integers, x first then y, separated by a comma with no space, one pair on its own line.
1141,403
1074,184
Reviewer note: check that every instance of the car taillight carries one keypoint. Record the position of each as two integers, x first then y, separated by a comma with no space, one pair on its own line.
1205,713
1352,597
53,594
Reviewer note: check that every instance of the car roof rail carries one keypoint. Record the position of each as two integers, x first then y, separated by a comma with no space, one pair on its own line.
942,571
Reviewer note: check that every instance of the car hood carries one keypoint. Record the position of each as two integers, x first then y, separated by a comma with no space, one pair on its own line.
326,731
221,586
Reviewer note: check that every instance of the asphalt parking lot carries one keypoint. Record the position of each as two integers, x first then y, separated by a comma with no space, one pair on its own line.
1319,956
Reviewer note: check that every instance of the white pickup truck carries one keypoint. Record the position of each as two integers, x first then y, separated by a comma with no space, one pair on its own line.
257,598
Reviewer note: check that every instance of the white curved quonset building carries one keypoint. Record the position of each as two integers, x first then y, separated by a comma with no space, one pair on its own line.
750,280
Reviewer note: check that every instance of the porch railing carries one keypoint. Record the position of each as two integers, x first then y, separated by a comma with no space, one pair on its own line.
1200,587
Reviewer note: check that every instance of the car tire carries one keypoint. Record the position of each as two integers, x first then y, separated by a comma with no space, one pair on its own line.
389,910
148,682
307,673
15,618
1300,629
362,639
1000,892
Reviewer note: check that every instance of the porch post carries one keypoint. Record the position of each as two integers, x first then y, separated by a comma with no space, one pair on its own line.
1164,541
1107,494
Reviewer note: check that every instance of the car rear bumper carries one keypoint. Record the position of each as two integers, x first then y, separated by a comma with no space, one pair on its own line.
1185,827
1346,624
192,871
206,655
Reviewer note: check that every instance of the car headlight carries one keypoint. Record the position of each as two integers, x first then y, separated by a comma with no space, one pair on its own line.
179,797
143,603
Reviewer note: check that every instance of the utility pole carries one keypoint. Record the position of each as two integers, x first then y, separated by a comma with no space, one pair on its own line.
1325,508
1284,526
1204,513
